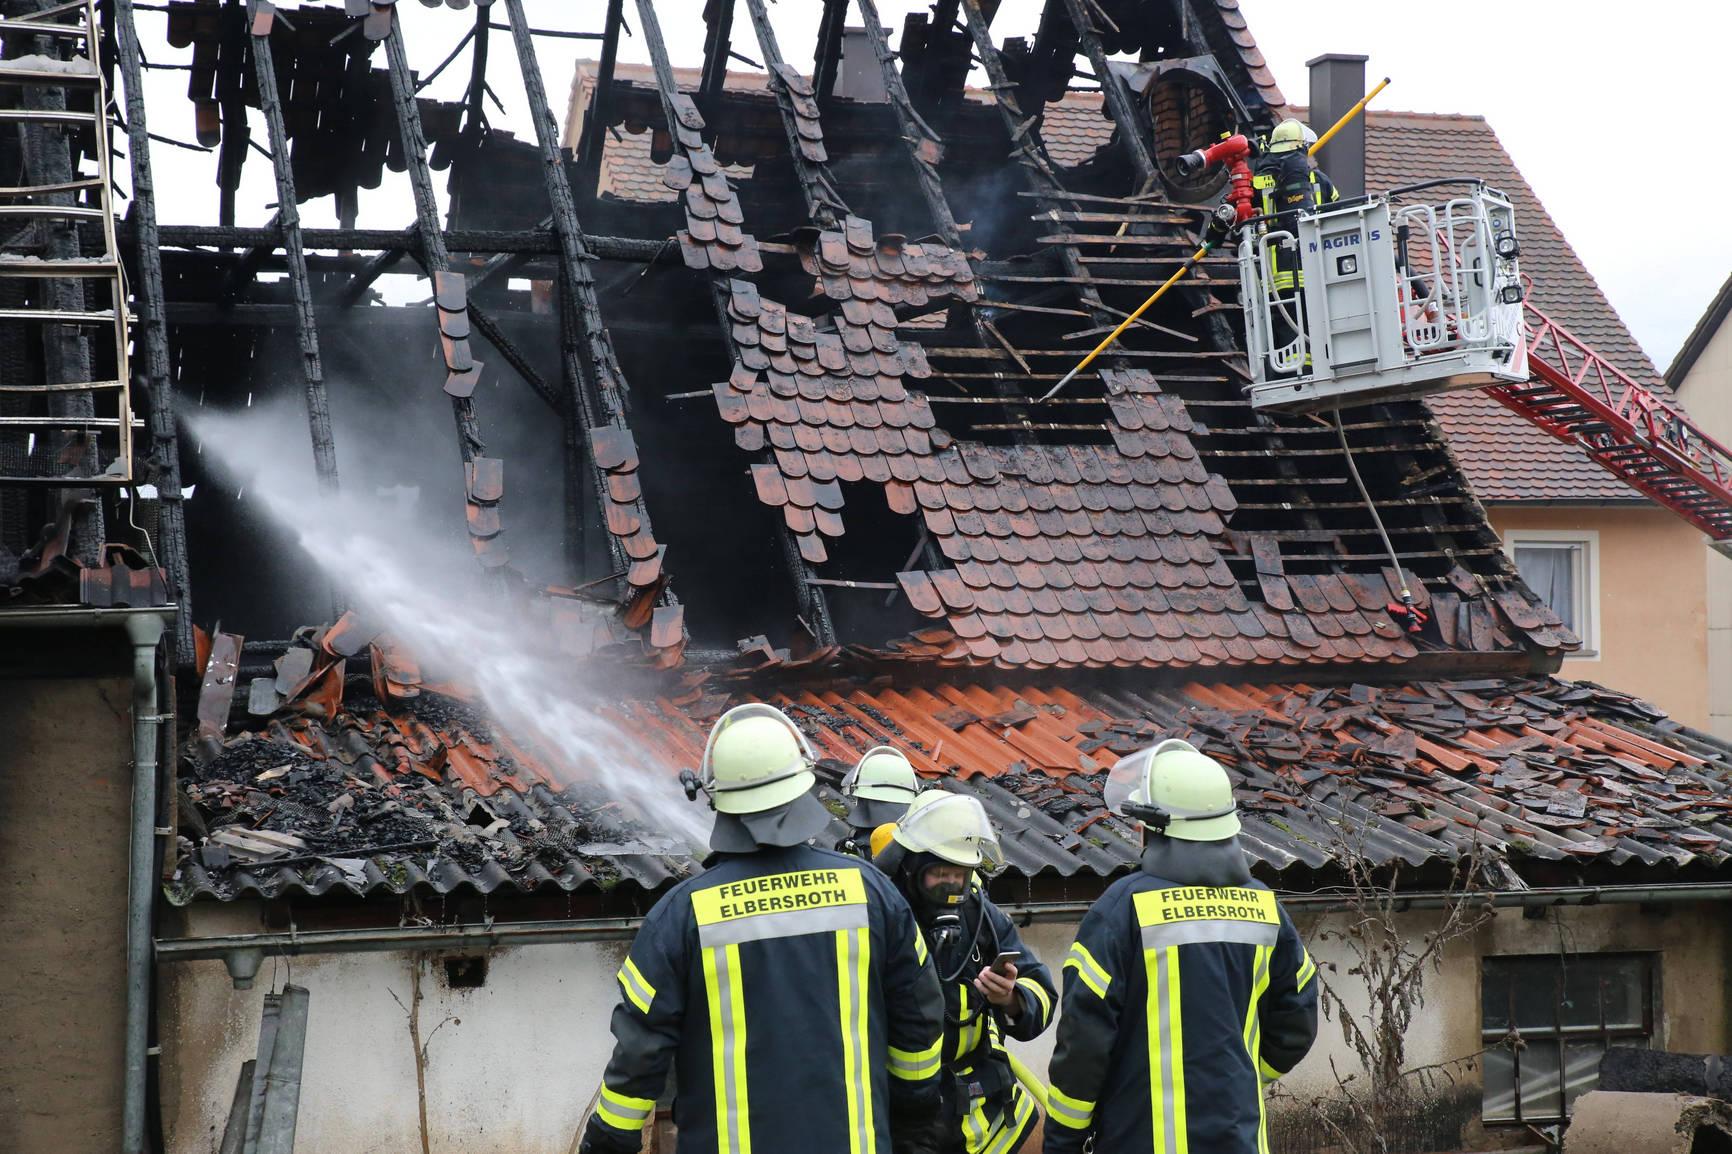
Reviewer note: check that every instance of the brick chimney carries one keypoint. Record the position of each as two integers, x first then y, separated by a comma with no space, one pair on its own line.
1337,83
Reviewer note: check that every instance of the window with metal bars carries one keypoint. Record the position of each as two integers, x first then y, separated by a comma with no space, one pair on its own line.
1546,1020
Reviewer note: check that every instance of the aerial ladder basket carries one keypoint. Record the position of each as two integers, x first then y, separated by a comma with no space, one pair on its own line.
1381,298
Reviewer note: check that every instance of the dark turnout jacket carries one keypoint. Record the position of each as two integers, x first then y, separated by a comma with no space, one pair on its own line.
1180,1001
792,994
987,1110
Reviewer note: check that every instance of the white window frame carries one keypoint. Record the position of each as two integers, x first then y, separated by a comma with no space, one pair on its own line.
1588,615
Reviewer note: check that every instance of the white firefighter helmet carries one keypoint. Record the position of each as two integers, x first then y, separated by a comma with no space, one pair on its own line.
1288,135
1185,787
756,759
952,827
882,774
1308,137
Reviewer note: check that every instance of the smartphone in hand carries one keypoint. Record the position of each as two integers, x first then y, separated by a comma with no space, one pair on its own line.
1005,958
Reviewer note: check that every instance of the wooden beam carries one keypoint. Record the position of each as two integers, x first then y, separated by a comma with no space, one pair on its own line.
718,43
809,599
827,60
152,337
306,330
593,141
594,389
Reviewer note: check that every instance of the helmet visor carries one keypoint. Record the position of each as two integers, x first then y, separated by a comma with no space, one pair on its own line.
1125,781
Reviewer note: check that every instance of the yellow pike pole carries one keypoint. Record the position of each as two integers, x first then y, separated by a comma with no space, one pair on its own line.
1346,118
1130,320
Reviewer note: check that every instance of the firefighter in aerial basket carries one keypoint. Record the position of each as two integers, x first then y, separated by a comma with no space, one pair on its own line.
1286,181
994,986
787,986
1187,989
879,790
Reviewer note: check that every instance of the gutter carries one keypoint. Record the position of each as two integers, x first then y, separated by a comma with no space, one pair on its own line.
243,953
144,629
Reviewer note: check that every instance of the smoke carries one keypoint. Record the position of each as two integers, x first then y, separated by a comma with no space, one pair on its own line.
427,593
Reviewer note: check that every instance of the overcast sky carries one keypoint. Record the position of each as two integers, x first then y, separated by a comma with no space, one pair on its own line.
1614,119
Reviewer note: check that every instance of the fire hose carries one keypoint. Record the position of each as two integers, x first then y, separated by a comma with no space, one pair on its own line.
1030,1081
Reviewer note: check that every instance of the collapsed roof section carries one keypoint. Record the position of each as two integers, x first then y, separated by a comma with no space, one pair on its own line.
873,303
390,783
1148,517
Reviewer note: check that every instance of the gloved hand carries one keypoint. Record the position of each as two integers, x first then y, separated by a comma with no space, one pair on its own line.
599,1140
1222,223
927,1138
917,1127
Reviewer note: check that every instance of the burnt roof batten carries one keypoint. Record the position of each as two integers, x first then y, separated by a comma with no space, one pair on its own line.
153,327
580,309
289,219
436,259
809,597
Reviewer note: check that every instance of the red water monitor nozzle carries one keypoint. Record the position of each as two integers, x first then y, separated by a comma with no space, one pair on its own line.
1234,152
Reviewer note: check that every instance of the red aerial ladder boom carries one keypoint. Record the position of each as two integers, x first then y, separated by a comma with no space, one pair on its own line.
1578,396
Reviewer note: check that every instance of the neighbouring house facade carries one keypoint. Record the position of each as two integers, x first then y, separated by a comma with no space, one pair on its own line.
766,430
1701,376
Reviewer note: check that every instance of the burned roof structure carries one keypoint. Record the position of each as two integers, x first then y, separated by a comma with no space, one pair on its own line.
745,376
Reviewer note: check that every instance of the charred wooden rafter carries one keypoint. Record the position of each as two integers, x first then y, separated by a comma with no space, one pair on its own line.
399,240
718,45
827,60
289,221
595,387
814,609
358,285
432,241
821,197
924,148
1132,124
590,146
152,328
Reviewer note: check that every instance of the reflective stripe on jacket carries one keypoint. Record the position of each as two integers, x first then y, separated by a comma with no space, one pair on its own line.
1286,183
1179,1001
793,996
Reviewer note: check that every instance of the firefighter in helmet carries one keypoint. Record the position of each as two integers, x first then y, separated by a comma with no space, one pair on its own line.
1285,182
879,790
1187,988
994,986
787,986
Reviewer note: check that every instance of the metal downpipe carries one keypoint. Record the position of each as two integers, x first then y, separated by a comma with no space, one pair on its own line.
144,632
